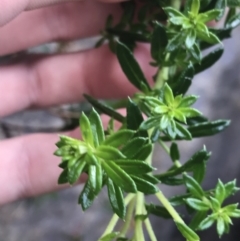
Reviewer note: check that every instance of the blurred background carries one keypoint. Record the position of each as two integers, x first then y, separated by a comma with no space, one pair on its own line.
57,216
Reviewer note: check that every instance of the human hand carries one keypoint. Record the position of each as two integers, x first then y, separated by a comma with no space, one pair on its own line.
27,164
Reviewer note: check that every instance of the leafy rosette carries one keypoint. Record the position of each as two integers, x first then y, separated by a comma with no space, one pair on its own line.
192,24
116,160
168,113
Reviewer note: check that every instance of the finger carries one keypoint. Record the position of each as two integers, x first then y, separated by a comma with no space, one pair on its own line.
11,8
28,166
60,22
63,79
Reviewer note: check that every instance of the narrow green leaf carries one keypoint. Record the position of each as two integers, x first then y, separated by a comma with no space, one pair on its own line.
97,128
189,112
75,171
72,161
155,135
130,67
175,42
172,181
92,178
199,171
174,152
150,178
144,186
119,176
161,109
193,186
179,199
233,3
100,42
63,178
209,60
230,208
99,178
207,222
63,165
91,159
165,122
180,115
222,33
202,30
221,5
132,146
197,219
183,21
196,120
115,196
230,14
209,15
220,226
86,197
105,109
172,12
235,214
188,101
208,128
210,38
134,166
119,138
195,7
199,157
231,188
144,152
66,140
195,54
184,81
216,206
205,4
182,132
220,191
159,41
197,204
233,22
168,95
109,237
191,38
86,129
159,211
122,239
187,6
108,153
187,232
134,118
150,123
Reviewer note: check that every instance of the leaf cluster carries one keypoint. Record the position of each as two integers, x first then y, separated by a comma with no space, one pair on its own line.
160,113
109,160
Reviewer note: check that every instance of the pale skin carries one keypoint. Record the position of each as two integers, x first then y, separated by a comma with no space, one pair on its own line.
27,165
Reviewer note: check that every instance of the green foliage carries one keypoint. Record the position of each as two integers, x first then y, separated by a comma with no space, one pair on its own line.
169,113
121,158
